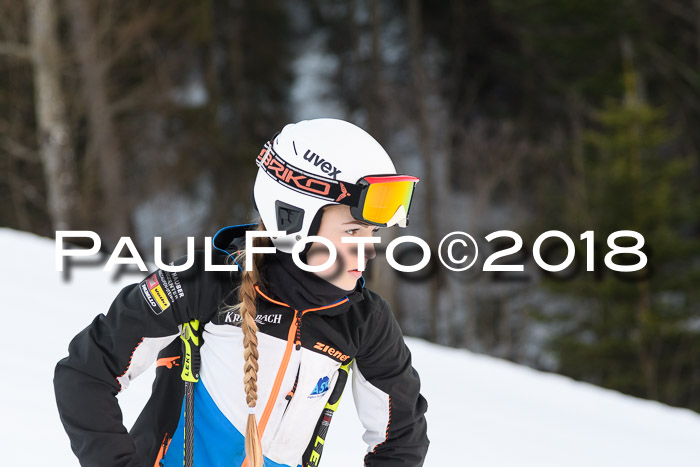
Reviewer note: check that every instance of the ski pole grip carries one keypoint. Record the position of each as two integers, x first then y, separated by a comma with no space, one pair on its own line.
191,337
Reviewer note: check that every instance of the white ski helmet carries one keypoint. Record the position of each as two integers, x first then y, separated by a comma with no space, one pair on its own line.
315,163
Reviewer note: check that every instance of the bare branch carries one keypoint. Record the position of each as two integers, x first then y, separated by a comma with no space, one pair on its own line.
665,59
15,50
132,100
678,10
20,151
9,23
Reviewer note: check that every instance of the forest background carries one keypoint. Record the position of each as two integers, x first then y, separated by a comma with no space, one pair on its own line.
143,119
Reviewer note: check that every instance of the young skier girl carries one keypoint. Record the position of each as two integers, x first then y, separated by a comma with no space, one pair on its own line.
269,345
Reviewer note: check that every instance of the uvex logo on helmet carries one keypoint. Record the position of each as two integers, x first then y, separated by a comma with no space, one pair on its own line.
326,166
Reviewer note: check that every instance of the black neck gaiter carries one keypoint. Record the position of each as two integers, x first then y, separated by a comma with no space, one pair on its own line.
298,288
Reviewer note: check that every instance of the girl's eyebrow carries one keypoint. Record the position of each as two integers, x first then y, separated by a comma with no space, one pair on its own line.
358,222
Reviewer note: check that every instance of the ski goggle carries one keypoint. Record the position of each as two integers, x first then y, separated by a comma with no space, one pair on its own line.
383,200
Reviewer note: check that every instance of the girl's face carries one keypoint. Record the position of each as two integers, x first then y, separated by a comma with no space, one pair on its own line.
337,222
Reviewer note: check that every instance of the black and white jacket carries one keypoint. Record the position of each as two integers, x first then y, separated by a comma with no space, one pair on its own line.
307,329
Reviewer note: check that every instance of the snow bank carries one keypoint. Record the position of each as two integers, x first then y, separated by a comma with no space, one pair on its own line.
482,411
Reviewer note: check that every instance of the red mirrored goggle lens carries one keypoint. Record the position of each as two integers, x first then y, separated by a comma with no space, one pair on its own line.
385,197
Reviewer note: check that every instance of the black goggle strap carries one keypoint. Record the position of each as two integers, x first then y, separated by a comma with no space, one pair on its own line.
296,179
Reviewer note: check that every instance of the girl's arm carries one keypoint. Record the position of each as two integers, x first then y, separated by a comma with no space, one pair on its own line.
115,348
387,395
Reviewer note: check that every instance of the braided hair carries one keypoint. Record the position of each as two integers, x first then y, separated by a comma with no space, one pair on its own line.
246,308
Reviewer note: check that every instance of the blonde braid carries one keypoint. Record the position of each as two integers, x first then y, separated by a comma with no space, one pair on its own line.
246,308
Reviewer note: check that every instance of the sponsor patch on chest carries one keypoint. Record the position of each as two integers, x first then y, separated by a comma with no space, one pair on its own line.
321,388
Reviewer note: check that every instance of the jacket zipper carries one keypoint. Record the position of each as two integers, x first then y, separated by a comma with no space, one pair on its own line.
298,333
291,393
280,374
163,450
297,343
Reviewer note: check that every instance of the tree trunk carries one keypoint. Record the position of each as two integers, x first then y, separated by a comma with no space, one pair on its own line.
383,278
102,134
376,106
697,31
424,136
648,342
57,156
16,196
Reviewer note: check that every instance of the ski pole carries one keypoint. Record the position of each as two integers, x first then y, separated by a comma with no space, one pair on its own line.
190,374
312,455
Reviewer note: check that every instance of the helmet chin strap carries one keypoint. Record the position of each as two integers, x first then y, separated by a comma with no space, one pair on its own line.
313,230
399,217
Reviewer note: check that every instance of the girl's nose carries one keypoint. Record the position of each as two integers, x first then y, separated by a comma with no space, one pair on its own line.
370,251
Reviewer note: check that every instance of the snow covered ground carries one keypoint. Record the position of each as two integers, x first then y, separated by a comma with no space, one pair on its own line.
482,411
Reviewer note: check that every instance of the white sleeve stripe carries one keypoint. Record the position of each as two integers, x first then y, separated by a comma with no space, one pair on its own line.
373,408
143,356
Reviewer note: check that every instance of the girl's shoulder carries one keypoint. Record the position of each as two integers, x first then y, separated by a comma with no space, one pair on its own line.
373,307
201,282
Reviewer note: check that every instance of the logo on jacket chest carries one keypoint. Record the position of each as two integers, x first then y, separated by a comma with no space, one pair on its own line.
234,318
321,388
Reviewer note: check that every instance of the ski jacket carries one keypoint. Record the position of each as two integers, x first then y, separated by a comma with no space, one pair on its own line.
300,352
